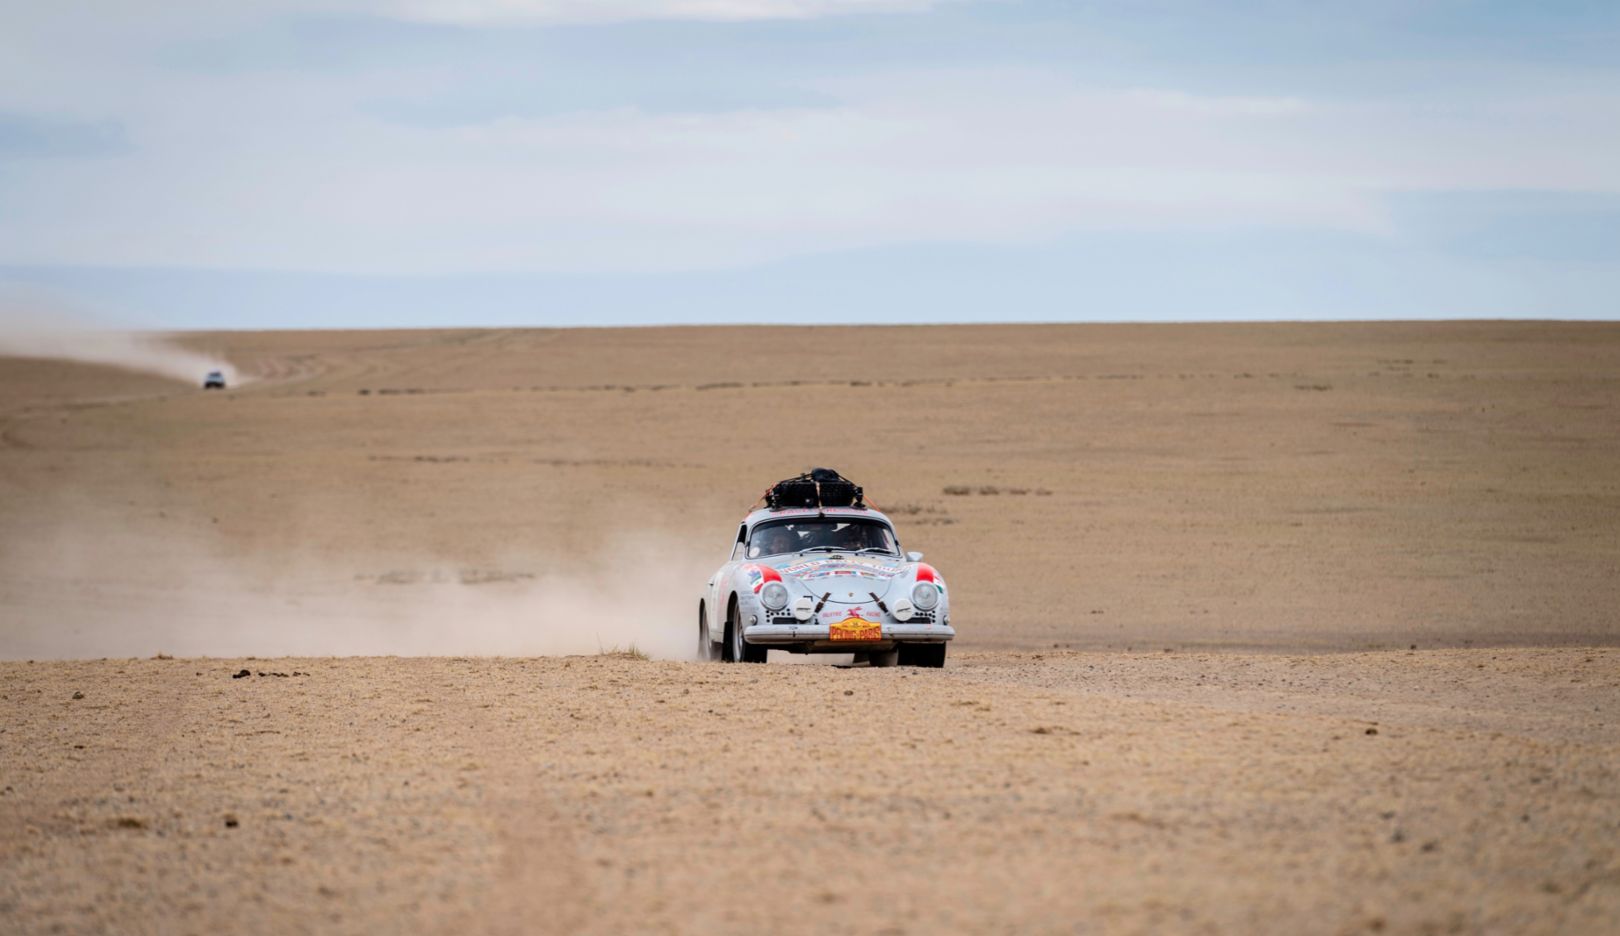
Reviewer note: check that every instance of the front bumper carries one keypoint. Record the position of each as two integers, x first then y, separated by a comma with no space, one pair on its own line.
815,635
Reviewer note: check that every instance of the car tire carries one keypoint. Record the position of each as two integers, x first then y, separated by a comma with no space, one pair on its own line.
877,658
705,646
737,649
929,655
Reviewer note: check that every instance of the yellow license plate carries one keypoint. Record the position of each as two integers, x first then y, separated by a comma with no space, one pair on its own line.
855,629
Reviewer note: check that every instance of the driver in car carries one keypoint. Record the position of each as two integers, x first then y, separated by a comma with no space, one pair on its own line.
871,536
774,541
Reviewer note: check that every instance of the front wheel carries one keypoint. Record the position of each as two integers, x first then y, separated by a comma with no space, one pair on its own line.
739,650
929,655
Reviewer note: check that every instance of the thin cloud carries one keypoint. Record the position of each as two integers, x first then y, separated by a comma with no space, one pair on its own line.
500,12
923,157
28,136
281,167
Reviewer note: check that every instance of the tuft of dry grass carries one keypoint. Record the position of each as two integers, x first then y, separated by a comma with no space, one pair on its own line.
630,652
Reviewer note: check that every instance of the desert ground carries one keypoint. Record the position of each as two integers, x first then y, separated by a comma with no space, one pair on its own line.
1273,627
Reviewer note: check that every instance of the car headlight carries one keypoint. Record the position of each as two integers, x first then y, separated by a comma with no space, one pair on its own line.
925,595
774,596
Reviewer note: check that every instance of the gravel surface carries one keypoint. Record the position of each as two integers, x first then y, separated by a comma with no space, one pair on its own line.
1263,628
1059,793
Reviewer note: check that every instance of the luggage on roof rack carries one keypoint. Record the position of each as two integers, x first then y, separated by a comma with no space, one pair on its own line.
815,489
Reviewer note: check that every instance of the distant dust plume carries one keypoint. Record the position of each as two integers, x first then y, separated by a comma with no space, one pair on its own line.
33,327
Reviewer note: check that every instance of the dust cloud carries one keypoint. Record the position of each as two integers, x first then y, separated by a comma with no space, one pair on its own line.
39,327
96,584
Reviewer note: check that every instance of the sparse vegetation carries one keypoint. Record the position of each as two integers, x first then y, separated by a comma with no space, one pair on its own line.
629,652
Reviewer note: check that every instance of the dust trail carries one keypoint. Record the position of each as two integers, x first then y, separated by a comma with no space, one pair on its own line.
89,581
36,326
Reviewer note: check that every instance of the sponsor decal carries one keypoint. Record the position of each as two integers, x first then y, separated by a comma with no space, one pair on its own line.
826,568
758,575
855,628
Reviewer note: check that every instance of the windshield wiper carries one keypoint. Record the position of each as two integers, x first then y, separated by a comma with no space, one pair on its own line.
877,549
823,549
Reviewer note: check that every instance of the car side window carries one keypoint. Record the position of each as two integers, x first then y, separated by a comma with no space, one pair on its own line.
742,541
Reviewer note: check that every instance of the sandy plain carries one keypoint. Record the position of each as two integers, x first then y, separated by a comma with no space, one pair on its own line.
1264,628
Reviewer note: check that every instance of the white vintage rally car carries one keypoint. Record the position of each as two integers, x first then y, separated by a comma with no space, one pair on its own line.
815,570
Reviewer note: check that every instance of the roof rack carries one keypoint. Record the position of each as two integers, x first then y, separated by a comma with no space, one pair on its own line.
818,488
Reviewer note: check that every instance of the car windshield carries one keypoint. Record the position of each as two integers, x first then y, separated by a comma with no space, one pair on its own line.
821,533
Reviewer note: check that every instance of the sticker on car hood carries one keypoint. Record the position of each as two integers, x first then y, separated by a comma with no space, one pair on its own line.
812,569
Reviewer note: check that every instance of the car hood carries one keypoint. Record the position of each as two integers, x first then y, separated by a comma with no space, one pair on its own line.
848,578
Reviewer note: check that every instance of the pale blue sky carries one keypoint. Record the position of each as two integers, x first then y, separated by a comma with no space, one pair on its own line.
280,163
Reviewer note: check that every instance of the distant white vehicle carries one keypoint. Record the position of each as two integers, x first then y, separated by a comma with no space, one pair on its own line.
214,381
817,571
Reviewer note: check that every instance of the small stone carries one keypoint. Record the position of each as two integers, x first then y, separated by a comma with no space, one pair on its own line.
1397,836
241,674
77,694
231,821
849,692
1372,730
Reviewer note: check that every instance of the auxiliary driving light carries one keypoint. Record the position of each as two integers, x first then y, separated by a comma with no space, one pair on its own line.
803,608
902,610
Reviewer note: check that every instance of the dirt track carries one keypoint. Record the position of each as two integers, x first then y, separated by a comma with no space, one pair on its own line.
1404,792
1184,492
